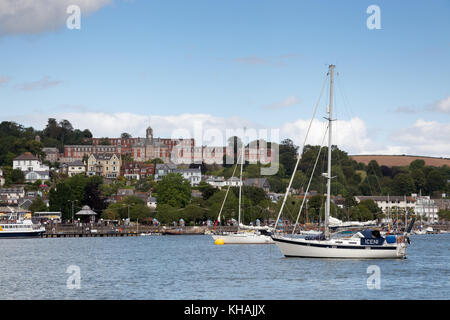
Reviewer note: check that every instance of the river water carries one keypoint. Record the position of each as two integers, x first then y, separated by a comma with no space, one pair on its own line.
192,267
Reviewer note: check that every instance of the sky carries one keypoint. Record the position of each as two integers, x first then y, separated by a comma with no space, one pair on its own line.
196,67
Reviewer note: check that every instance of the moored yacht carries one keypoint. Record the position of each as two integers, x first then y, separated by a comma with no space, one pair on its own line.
366,244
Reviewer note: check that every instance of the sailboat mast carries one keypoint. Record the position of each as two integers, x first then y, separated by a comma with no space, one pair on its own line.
240,180
330,113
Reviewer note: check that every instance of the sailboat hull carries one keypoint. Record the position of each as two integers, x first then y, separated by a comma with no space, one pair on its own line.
329,249
244,238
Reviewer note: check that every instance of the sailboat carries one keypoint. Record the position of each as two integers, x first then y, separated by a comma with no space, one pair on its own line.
245,234
365,244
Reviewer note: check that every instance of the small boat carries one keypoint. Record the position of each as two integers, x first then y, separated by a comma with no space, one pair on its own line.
245,234
183,231
252,237
20,229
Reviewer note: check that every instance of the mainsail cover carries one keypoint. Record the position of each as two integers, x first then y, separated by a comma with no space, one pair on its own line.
334,222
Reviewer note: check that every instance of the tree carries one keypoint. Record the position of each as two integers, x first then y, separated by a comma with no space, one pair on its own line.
38,205
403,184
374,168
166,213
192,213
125,135
104,142
419,179
59,200
17,176
417,164
92,195
173,190
288,155
207,190
230,207
254,194
155,161
435,181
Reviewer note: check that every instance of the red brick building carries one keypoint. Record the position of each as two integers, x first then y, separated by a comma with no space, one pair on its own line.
137,170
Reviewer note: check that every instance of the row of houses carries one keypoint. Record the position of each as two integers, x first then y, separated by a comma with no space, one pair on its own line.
111,166
220,182
422,206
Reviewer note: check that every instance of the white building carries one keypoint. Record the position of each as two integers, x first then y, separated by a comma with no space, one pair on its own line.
151,202
2,179
390,203
73,168
32,167
193,175
216,182
162,169
427,208
233,182
422,206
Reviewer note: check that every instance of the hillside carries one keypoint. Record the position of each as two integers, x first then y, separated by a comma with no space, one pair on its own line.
400,160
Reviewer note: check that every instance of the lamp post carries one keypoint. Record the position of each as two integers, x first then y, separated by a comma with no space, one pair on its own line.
72,207
128,206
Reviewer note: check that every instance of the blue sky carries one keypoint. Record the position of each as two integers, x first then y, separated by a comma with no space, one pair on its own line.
255,63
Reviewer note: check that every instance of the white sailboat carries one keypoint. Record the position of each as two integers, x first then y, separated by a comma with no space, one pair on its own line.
245,234
367,244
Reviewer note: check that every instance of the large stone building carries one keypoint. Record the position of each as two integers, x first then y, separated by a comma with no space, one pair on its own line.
105,165
177,151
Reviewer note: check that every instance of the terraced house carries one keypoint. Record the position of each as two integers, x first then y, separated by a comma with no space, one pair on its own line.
105,165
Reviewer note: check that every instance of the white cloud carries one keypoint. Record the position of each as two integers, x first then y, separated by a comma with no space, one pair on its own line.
425,138
289,101
349,135
36,16
443,105
439,106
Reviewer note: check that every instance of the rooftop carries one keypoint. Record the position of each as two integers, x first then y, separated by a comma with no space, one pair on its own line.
26,156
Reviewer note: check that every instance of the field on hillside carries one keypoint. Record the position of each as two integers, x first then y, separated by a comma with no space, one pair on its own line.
391,161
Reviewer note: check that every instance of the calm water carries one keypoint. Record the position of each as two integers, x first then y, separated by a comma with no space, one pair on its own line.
192,267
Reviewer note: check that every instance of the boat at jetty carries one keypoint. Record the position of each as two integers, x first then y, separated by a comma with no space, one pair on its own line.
20,228
365,244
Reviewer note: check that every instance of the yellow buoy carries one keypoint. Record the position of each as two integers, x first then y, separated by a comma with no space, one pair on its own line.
219,241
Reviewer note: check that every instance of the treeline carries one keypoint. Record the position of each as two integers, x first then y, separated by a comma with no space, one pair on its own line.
16,139
349,176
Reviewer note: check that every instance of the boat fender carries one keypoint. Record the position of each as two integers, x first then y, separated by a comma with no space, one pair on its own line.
390,239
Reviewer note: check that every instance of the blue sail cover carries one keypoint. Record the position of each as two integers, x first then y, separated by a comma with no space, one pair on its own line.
371,237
